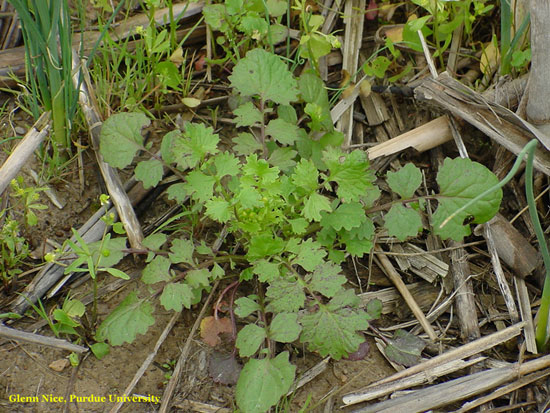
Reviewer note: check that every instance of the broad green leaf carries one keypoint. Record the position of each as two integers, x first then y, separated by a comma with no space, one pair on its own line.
350,171
283,158
333,328
374,309
253,26
299,225
260,170
226,164
191,147
111,251
402,222
132,316
405,348
199,279
327,279
314,93
310,255
156,271
214,16
461,180
249,339
182,251
154,241
219,209
246,306
175,296
246,144
287,113
405,181
346,216
276,8
247,115
282,131
149,172
121,138
359,240
306,175
200,186
285,295
284,328
264,74
249,197
177,192
100,350
263,382
264,245
315,203
265,270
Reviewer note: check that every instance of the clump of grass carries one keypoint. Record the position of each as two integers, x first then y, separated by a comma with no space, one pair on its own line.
46,29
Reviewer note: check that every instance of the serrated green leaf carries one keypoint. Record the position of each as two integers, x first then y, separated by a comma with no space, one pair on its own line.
175,296
154,241
461,180
405,181
265,270
310,255
226,164
333,328
359,240
149,172
350,171
314,93
121,138
264,245
200,186
306,175
260,170
177,192
198,279
219,209
132,316
299,225
214,16
327,279
346,216
156,271
249,339
249,197
253,26
191,147
246,144
263,382
405,348
283,158
265,75
284,328
315,203
181,250
285,295
402,222
282,131
246,306
247,115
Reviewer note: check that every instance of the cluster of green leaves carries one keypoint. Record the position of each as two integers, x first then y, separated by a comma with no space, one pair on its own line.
243,23
442,20
14,249
127,77
296,203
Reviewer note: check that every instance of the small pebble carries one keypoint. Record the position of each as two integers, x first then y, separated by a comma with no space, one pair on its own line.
20,130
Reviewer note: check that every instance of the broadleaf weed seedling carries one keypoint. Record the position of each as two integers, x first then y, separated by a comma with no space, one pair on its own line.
296,204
